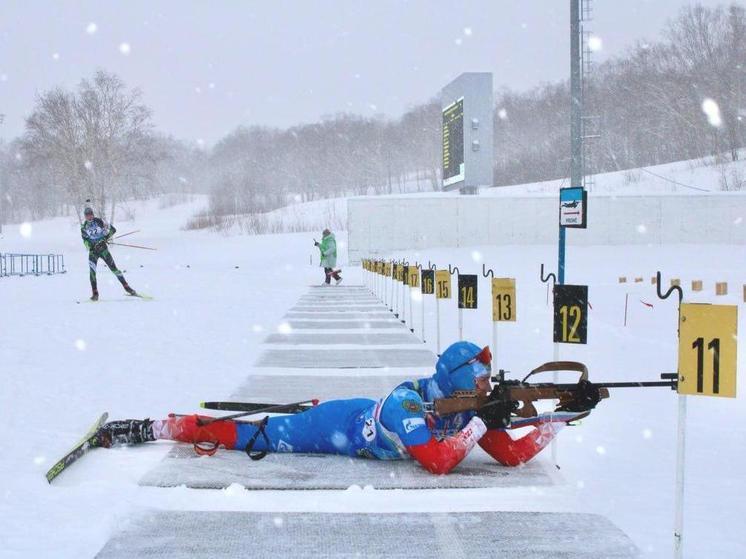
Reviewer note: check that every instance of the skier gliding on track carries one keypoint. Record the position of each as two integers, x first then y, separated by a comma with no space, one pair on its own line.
394,428
95,235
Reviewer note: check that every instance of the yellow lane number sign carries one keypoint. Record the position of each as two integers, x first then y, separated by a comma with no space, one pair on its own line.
707,350
503,300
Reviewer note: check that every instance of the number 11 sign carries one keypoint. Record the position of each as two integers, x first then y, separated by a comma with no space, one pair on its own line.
707,350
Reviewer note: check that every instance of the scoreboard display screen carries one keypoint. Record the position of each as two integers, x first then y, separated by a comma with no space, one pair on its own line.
453,143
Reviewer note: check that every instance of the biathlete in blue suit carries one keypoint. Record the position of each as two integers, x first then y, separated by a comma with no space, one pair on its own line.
394,428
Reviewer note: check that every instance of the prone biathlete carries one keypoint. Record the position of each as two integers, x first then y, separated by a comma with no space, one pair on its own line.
394,428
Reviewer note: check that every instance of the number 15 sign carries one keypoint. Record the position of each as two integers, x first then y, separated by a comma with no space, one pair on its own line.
707,350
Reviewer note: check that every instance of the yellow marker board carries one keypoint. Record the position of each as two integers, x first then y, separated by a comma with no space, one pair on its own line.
442,284
414,277
707,350
503,300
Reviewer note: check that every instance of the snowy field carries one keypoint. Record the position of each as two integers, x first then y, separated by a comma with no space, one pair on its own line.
217,297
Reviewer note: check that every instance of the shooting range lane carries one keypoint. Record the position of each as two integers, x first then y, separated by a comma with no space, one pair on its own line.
364,316
372,349
335,339
326,308
346,358
345,325
478,534
182,467
350,374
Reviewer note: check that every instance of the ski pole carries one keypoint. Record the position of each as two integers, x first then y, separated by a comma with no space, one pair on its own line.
268,409
252,406
125,234
131,246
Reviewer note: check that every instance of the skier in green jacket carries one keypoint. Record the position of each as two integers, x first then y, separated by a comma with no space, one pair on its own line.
95,234
328,249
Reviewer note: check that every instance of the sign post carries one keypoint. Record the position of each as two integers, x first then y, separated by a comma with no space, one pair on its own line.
467,298
427,287
570,323
413,277
504,306
403,278
442,291
707,367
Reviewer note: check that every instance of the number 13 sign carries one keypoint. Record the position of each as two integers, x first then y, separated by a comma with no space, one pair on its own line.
707,350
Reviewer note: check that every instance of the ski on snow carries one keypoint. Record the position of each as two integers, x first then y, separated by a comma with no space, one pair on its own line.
120,300
83,446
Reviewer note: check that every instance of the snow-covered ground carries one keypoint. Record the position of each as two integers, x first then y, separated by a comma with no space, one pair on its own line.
217,297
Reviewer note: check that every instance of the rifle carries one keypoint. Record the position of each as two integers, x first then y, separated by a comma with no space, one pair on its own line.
509,399
514,398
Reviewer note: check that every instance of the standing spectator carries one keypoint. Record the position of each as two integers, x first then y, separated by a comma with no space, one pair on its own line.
328,250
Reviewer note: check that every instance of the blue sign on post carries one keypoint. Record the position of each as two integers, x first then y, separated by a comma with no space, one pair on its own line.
573,207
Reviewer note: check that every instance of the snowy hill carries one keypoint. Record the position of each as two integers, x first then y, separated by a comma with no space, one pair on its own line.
682,177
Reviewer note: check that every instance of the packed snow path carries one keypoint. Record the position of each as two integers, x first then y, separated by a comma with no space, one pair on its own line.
302,533
407,536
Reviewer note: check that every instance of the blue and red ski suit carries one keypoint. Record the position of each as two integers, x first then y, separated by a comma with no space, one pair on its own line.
396,427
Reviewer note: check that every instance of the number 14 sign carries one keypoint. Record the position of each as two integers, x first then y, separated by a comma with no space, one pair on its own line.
707,350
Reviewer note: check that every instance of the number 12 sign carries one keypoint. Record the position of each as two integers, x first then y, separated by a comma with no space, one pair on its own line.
571,314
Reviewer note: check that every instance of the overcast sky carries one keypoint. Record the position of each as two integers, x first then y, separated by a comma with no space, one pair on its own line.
207,67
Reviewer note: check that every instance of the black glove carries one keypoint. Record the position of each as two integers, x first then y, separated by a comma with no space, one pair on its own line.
495,413
100,245
586,397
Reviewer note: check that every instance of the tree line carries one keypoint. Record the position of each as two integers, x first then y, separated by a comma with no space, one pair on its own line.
682,97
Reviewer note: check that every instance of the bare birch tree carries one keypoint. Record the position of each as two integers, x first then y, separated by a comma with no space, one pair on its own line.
97,141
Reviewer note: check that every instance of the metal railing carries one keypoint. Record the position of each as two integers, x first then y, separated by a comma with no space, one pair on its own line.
31,264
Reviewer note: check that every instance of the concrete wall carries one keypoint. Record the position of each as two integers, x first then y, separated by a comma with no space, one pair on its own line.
379,225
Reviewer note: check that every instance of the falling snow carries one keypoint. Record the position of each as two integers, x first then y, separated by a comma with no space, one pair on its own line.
712,110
